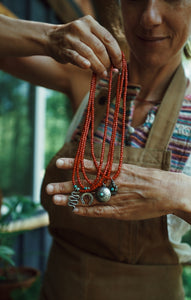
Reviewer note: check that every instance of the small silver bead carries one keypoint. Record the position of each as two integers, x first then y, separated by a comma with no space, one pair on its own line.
131,129
113,188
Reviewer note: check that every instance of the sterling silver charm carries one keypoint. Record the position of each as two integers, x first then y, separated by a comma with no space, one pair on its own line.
103,194
87,196
113,188
73,199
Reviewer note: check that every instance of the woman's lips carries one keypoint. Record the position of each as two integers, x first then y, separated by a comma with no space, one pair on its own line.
153,39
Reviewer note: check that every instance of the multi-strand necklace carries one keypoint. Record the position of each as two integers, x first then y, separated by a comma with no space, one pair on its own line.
103,185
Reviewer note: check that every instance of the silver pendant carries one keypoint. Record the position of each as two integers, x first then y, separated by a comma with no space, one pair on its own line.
87,196
73,199
103,194
113,188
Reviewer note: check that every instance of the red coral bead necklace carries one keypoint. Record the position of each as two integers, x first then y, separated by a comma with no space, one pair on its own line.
103,185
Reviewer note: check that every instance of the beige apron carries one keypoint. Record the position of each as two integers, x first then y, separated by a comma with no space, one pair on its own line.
106,259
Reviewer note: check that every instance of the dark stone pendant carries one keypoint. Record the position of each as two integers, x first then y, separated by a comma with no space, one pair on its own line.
103,194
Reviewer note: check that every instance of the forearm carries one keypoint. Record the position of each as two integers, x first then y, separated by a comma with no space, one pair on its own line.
27,50
38,70
46,72
22,38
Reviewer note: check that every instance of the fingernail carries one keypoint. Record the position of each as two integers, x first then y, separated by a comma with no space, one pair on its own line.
59,162
50,188
120,66
105,74
58,198
75,210
86,63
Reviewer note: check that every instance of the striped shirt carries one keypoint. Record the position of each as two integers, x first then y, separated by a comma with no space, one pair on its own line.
180,142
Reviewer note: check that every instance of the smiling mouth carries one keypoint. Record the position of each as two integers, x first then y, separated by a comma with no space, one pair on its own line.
152,39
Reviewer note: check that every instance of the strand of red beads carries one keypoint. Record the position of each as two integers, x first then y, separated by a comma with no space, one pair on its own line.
98,185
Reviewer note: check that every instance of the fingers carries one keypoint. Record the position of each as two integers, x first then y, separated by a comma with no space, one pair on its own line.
99,211
110,43
74,57
68,163
61,200
96,63
85,43
105,48
59,188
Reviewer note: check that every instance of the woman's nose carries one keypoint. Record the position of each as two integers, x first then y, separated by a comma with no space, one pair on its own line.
151,14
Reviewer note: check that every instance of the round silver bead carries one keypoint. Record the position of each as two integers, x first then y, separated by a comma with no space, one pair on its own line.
103,194
131,129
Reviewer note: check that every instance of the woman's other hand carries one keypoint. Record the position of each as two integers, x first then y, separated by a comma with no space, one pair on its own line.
85,43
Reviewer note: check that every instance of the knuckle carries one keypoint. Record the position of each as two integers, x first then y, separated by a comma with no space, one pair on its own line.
76,26
75,57
90,56
108,37
98,211
100,49
88,18
98,67
117,60
84,211
89,165
88,51
60,188
70,162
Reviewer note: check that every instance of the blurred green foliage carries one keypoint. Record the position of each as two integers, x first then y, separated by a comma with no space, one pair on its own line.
17,132
58,116
186,276
31,293
12,209
16,136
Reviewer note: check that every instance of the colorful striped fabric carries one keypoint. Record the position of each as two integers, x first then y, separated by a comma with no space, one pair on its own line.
180,143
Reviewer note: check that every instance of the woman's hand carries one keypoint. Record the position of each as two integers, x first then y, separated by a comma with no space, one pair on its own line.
85,43
143,193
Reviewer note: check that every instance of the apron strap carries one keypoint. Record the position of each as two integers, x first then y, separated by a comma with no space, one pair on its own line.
168,112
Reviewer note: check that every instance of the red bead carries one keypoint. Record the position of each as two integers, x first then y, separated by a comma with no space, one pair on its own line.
102,174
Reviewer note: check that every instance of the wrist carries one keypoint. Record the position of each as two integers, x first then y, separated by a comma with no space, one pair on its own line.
35,37
183,195
54,41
